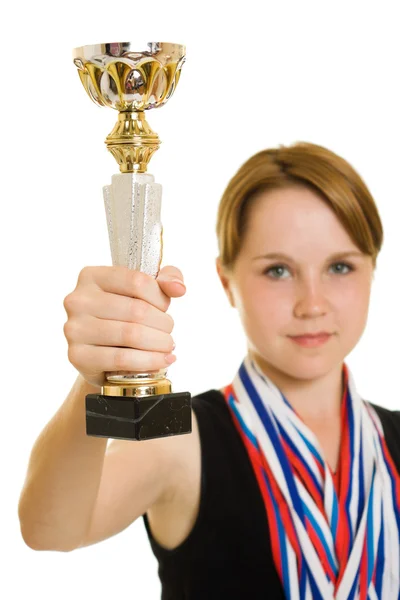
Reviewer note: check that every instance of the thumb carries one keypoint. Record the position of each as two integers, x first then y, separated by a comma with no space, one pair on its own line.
170,280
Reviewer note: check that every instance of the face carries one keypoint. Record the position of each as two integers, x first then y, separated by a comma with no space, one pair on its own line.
307,290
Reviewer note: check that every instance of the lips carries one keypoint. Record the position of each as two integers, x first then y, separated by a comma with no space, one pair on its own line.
311,335
311,340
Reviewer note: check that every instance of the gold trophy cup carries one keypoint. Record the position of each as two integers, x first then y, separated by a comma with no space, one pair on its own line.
134,406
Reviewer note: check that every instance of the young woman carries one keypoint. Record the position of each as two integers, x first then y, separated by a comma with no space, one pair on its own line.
288,485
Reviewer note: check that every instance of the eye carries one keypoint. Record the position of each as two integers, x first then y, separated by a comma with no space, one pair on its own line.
343,264
275,269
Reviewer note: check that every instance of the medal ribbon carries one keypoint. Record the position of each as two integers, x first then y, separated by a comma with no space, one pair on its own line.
326,544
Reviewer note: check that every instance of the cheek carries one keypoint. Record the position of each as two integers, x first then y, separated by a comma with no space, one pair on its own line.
353,298
352,304
266,308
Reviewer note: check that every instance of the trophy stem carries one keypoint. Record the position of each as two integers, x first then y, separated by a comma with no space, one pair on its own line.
133,211
132,142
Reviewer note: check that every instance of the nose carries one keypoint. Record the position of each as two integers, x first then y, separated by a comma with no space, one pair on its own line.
311,298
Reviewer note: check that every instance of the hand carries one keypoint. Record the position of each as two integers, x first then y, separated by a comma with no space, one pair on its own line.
117,320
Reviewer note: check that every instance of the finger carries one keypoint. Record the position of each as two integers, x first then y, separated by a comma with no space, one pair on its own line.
170,273
104,305
172,289
96,359
170,279
127,282
101,332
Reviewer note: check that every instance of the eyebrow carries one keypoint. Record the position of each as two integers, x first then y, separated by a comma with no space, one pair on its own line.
281,255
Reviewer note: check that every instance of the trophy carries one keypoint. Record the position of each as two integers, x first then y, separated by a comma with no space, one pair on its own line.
134,406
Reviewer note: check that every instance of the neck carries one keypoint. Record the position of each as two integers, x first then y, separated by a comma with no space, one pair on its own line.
315,400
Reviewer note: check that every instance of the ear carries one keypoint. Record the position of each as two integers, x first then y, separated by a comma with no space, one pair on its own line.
225,280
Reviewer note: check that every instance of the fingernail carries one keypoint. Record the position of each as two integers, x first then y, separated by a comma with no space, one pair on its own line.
174,280
170,358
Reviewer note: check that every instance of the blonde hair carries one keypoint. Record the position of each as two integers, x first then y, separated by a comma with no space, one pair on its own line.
302,163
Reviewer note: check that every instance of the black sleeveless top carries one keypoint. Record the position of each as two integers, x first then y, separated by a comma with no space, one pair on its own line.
228,554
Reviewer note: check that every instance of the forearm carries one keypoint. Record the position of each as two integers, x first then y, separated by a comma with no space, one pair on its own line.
63,477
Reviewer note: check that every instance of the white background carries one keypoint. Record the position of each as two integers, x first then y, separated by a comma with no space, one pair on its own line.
258,74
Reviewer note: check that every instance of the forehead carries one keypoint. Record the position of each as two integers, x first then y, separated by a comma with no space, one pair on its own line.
294,217
297,198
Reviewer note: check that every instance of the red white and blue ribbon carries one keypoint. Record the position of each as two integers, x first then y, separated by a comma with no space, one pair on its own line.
326,544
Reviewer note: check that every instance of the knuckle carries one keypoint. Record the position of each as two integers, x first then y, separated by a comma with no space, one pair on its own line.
122,359
68,328
73,330
167,303
68,302
75,302
170,323
138,281
75,354
139,310
128,335
83,273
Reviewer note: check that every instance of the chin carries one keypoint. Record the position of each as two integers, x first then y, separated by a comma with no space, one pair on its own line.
314,367
302,368
309,372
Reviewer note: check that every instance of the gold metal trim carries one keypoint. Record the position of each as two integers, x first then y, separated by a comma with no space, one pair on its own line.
138,389
132,142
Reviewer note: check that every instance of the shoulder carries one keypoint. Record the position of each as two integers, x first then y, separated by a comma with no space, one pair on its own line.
213,416
210,406
212,396
390,420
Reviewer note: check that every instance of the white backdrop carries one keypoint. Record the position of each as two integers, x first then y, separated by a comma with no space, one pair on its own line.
257,74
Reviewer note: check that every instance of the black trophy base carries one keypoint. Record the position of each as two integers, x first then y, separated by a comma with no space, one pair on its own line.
130,418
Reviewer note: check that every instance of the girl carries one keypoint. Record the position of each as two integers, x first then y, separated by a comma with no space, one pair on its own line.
288,485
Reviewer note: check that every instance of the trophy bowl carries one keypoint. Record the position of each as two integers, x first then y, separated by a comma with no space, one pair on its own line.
117,76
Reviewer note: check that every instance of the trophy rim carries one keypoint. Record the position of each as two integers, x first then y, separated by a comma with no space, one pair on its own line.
88,51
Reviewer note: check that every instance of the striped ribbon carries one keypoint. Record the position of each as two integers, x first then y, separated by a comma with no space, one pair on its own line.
326,544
